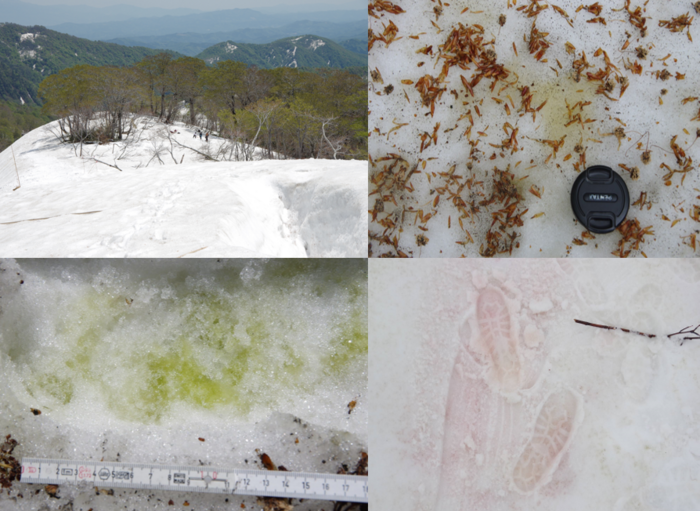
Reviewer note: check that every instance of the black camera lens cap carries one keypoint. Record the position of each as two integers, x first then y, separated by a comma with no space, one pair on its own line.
600,199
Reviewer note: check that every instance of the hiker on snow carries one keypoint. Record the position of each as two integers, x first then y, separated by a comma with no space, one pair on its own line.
207,137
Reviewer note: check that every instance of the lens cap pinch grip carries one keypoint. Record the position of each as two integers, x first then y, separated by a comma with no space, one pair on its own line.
600,199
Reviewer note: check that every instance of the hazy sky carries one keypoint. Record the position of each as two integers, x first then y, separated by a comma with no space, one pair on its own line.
211,5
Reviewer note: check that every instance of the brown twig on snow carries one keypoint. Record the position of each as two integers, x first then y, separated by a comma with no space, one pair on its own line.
695,331
605,327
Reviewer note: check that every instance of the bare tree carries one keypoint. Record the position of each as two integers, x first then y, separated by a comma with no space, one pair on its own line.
329,122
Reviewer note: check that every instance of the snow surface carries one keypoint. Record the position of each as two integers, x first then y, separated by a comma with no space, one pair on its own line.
446,419
400,123
136,360
317,43
70,206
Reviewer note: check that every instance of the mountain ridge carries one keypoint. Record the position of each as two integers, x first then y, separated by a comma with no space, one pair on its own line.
306,51
206,22
28,54
191,44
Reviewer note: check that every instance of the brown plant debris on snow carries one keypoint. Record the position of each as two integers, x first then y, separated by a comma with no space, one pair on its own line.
679,24
9,466
465,46
383,6
632,237
502,239
538,43
360,470
388,36
273,503
467,55
635,17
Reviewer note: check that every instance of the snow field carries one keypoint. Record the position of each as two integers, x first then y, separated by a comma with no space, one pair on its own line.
70,205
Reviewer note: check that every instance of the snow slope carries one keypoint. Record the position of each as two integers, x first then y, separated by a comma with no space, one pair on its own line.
161,205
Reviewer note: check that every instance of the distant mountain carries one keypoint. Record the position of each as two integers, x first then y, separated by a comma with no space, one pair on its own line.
312,7
24,13
29,54
202,23
356,45
306,51
192,44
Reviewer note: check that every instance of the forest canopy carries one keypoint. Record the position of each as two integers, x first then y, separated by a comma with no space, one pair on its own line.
291,113
17,119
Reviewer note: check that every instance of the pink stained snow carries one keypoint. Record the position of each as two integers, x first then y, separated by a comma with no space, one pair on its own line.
596,420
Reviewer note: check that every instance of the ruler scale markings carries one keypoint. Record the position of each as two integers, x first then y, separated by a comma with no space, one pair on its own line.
342,487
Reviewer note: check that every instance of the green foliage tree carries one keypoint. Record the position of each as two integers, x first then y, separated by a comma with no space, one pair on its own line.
304,129
289,112
71,95
155,68
259,122
223,83
17,119
118,91
255,84
288,83
183,82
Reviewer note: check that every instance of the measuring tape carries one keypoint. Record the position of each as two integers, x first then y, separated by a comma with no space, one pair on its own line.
298,485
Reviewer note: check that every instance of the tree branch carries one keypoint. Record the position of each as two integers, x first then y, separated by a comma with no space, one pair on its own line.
113,166
605,327
206,156
686,330
695,332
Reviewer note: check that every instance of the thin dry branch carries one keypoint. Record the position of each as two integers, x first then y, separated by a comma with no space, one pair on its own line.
686,330
606,327
206,156
113,166
694,332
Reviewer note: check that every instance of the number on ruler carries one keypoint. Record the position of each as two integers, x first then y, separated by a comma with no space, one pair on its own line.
126,474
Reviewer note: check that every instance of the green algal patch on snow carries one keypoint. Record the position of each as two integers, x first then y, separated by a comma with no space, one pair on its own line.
352,339
207,347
